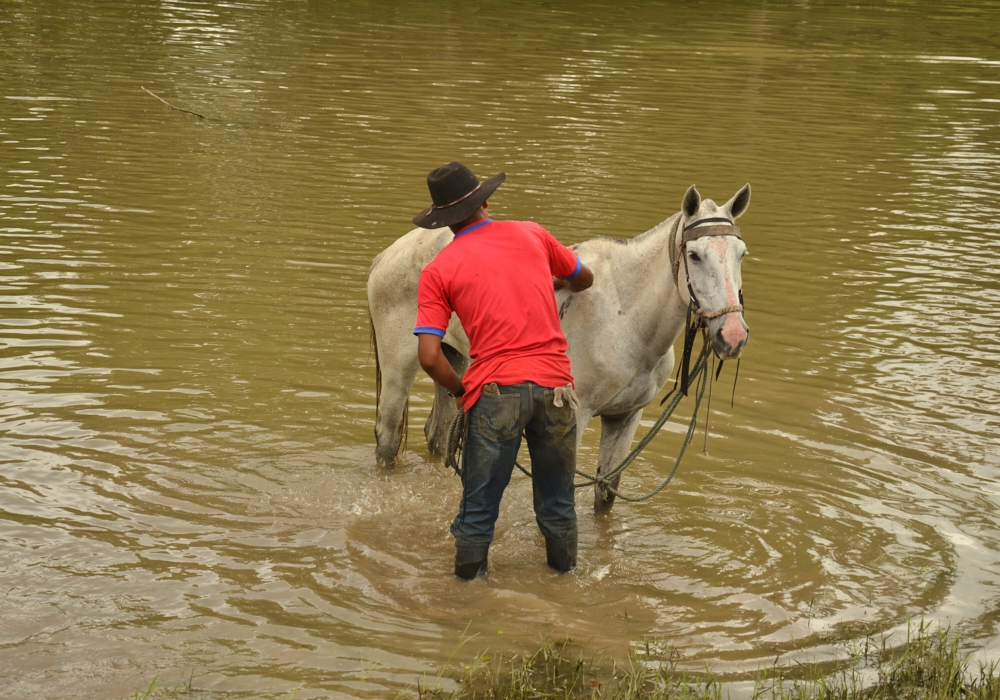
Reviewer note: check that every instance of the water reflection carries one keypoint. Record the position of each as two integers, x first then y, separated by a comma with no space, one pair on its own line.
186,393
927,330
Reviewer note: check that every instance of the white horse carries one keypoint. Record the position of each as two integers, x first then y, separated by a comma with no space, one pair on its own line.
620,332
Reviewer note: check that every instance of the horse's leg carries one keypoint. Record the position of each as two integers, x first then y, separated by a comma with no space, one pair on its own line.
616,439
443,410
396,360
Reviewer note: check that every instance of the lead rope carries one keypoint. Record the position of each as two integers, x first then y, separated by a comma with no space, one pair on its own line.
708,407
456,440
603,482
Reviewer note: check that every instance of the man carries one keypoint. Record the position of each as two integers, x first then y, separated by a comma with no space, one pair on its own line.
497,276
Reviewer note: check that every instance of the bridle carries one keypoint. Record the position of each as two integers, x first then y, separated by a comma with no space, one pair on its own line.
691,232
697,317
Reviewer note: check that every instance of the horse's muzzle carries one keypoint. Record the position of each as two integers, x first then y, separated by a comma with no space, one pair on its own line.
729,335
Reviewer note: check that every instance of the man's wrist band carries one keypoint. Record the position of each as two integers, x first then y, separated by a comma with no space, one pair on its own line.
454,395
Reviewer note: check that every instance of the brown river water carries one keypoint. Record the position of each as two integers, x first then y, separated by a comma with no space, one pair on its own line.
187,473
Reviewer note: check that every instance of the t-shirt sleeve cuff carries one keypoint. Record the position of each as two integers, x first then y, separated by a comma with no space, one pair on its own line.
429,330
576,271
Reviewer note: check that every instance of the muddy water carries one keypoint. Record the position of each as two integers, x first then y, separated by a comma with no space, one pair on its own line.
187,481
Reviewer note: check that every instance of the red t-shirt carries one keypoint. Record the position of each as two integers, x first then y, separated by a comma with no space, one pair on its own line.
497,276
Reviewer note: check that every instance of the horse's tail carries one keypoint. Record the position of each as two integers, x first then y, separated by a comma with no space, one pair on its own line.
373,354
404,421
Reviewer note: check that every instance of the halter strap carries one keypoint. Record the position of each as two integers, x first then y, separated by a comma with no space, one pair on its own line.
716,230
716,219
709,315
675,261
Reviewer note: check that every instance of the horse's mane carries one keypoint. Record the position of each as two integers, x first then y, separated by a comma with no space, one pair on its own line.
611,243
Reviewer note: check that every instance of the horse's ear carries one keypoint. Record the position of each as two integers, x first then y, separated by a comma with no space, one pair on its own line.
692,200
739,203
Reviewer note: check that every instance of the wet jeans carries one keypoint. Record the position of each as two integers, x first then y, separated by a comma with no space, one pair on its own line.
493,435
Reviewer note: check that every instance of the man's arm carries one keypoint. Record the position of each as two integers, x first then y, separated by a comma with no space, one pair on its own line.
581,276
583,279
433,313
436,364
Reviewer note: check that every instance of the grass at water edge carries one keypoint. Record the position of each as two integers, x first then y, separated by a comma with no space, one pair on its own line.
929,665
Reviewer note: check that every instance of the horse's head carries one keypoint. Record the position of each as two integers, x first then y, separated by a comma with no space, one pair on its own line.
711,250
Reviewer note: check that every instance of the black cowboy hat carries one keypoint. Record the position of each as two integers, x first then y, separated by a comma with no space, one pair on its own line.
457,193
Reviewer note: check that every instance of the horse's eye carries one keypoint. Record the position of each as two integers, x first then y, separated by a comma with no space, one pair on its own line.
694,257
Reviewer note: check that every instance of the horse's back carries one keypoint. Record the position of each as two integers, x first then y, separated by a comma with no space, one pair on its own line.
395,272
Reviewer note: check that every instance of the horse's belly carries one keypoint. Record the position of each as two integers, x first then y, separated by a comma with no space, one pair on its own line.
624,394
632,397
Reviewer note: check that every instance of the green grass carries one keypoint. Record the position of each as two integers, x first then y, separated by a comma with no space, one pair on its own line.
930,665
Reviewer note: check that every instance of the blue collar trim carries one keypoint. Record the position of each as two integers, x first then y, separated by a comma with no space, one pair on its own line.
472,227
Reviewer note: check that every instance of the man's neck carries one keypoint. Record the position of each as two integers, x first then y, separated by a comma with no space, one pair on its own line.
475,218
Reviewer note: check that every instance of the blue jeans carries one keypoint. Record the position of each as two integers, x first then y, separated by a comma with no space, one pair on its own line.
492,437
